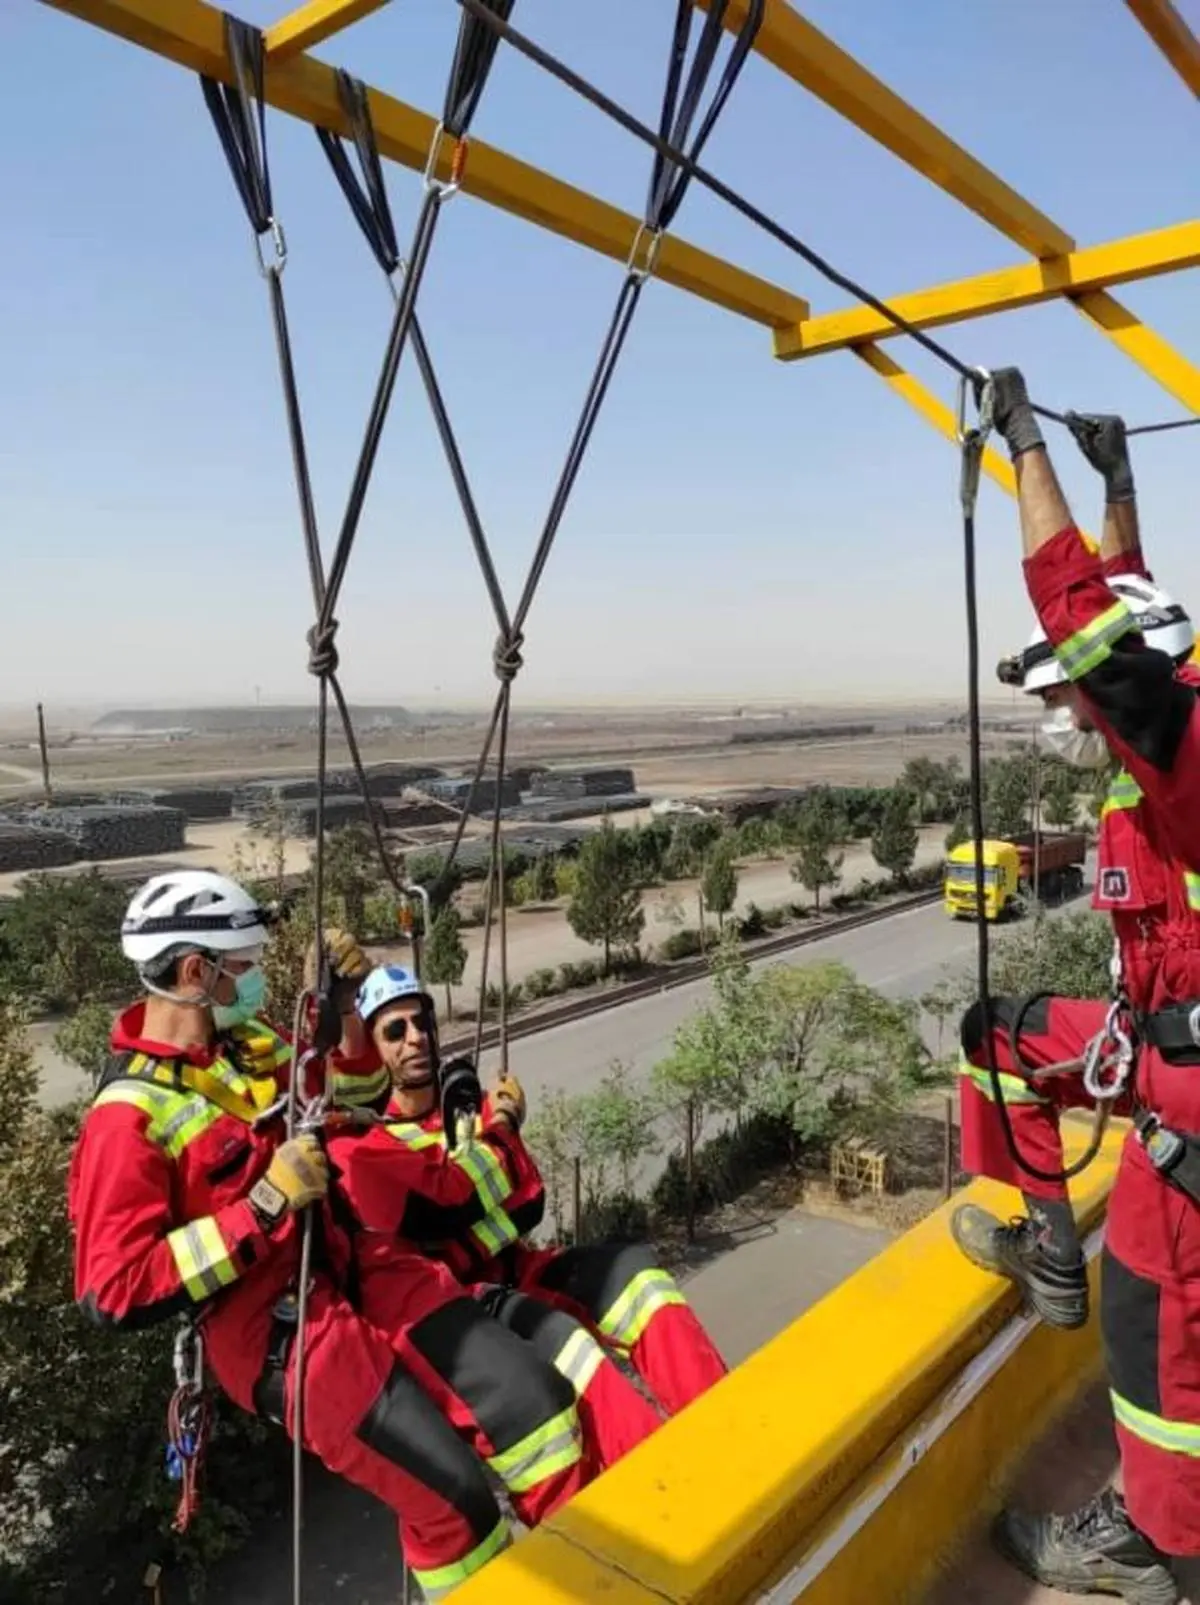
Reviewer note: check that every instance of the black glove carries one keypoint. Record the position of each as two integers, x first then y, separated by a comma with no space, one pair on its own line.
1012,413
1101,439
461,1095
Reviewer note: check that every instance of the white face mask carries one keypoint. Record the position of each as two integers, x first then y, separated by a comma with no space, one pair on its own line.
1086,749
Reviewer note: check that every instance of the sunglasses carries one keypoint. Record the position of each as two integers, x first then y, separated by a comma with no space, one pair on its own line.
396,1030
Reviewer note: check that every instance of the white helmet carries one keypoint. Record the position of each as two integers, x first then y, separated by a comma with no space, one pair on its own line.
1161,621
191,908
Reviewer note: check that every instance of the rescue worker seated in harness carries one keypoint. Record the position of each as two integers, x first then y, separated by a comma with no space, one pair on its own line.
473,1209
187,1198
1109,664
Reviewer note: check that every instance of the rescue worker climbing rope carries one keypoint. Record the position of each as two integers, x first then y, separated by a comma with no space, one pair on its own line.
187,1199
1109,663
398,1181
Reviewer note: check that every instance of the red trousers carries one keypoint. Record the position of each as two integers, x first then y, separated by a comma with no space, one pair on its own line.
370,1422
633,1307
1150,1274
516,1411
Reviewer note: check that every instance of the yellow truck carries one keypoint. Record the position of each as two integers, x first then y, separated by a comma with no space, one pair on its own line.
1010,868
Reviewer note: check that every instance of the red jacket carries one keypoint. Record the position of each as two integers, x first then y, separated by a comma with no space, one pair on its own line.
466,1208
157,1193
1149,851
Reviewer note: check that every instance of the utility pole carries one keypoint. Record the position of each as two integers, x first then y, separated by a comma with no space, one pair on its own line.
48,794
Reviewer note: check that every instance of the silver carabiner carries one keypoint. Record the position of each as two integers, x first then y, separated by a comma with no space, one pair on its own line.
188,1358
984,414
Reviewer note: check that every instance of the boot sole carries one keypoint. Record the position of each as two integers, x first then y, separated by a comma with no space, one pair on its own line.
1154,1586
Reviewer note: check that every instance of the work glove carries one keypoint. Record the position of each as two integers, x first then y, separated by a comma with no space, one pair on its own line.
348,964
300,1171
1101,439
508,1098
1012,413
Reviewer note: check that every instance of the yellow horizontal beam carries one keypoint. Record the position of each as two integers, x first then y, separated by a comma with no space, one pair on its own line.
731,1492
313,23
1140,256
1172,36
809,57
1153,354
190,33
922,400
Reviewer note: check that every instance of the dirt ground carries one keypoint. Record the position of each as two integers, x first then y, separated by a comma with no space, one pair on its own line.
671,750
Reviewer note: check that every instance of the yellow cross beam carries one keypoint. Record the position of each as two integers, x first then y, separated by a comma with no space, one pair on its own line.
191,33
1172,36
313,23
1140,256
807,56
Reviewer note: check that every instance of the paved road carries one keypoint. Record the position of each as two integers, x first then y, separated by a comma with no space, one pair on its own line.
903,957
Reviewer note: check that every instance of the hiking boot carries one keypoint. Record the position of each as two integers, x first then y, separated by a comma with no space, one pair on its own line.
1059,1293
1094,1550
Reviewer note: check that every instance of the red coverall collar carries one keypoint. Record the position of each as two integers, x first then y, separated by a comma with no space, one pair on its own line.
127,1038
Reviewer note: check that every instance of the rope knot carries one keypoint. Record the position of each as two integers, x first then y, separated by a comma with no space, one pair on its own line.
322,650
506,656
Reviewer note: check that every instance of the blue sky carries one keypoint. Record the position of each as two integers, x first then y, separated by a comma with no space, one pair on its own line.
743,528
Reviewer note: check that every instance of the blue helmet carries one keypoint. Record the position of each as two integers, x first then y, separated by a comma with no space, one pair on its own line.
387,983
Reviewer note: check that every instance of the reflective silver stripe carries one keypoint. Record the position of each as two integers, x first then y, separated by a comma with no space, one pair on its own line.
635,1307
579,1359
540,1453
1089,647
201,1257
1177,1437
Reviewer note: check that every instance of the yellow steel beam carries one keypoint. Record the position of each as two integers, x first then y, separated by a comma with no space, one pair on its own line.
190,33
1140,256
921,399
809,57
1172,36
310,24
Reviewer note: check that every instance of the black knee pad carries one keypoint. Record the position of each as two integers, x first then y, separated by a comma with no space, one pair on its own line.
596,1275
406,1427
508,1388
1004,1010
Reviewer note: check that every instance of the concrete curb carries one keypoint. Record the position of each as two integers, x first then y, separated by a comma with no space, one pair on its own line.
684,972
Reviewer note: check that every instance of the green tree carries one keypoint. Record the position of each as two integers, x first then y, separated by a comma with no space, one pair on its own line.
923,778
84,1037
720,1052
59,940
352,873
543,879
445,956
959,832
1060,798
818,830
1007,795
606,906
720,883
894,843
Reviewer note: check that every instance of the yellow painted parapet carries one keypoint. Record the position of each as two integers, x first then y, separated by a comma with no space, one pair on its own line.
798,1476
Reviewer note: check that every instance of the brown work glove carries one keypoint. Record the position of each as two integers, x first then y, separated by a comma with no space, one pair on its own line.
300,1171
508,1098
347,961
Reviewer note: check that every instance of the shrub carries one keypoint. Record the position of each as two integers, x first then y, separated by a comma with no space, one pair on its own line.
542,983
683,944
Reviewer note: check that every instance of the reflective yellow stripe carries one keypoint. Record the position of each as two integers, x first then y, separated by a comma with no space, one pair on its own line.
541,1453
494,1232
176,1118
1014,1088
412,1135
579,1359
351,1091
203,1261
1089,647
1178,1437
1123,793
636,1306
442,1580
487,1174
1192,881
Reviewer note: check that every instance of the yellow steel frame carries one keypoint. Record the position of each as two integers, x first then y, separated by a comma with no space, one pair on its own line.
189,32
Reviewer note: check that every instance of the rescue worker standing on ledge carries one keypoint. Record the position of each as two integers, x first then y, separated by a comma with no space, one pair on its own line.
615,1290
1109,663
185,1201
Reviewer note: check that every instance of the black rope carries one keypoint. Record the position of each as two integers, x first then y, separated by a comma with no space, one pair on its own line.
689,166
